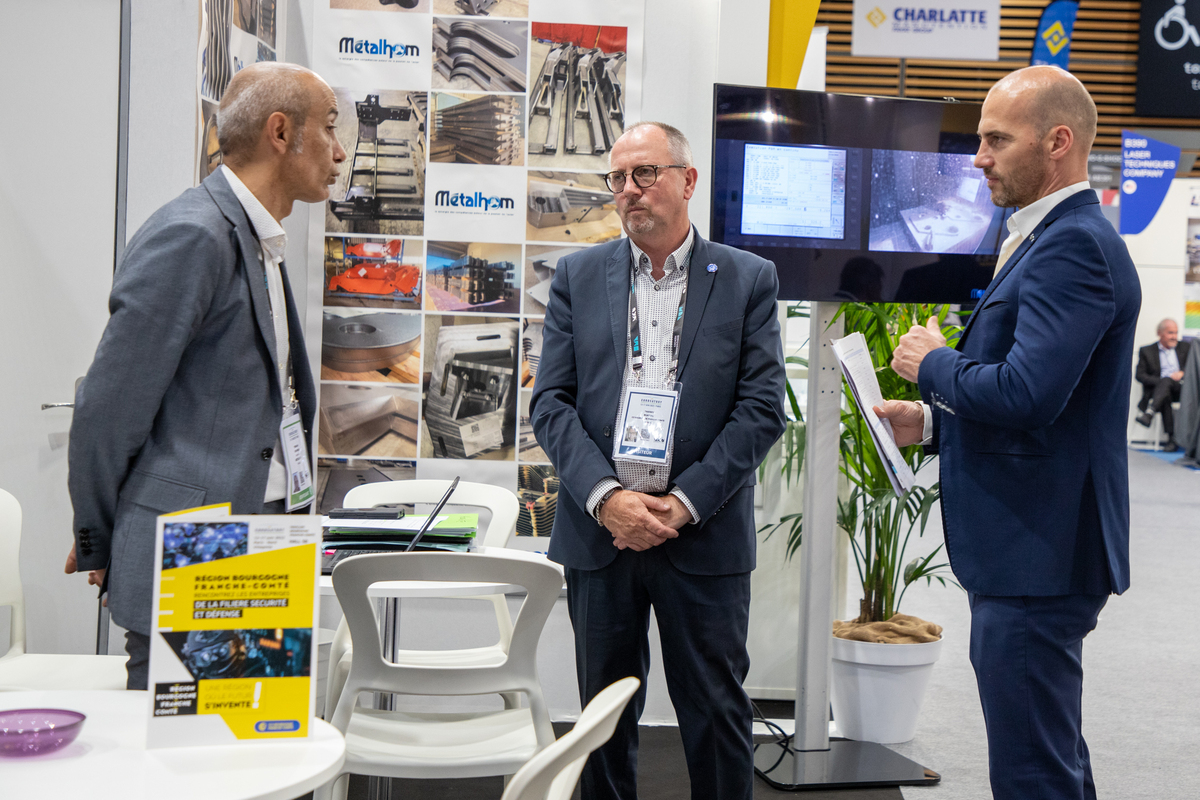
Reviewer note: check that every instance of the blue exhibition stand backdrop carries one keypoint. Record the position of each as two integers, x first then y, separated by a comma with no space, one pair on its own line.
1147,169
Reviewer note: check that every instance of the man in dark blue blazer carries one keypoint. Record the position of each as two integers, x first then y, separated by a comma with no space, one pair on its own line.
204,351
1028,415
677,534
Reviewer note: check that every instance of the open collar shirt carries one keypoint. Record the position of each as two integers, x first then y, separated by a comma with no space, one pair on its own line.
272,241
1021,224
658,302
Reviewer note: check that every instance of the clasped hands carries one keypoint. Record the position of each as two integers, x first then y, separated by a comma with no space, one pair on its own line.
908,418
641,521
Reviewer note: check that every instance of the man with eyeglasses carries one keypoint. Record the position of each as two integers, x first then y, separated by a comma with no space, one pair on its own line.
659,391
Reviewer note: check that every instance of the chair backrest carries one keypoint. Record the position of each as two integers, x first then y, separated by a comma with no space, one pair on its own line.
554,771
369,671
499,501
11,593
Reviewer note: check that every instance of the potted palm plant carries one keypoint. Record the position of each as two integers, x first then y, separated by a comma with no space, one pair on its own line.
880,642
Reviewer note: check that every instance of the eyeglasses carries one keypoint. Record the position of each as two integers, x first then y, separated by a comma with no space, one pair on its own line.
643,177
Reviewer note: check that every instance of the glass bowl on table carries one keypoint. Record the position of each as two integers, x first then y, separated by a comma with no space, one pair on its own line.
33,731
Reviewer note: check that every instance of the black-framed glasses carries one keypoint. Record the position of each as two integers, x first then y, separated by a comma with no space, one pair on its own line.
643,177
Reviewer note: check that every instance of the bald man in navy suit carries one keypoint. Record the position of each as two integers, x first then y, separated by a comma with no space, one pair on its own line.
1028,415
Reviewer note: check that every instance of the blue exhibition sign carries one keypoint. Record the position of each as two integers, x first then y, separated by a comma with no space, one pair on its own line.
1052,45
1147,169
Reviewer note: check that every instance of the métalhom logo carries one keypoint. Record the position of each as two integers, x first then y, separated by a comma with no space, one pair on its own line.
476,200
382,47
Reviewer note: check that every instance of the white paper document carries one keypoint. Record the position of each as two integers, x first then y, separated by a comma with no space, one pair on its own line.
408,523
855,358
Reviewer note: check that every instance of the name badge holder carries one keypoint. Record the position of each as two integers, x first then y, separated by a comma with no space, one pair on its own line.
300,490
647,423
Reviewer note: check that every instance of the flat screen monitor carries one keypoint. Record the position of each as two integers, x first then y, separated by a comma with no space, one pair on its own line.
861,198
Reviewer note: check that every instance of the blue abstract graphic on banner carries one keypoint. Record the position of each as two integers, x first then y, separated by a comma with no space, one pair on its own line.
1147,169
1052,45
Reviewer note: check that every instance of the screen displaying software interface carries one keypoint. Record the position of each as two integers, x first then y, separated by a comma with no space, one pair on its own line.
794,191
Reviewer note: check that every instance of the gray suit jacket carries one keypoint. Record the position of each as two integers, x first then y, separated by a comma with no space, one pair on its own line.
181,406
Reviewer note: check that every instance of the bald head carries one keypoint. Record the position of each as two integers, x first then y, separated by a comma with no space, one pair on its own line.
1052,96
257,92
1035,131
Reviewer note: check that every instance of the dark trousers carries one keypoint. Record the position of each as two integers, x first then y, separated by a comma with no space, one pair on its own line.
1159,398
137,645
1028,659
702,623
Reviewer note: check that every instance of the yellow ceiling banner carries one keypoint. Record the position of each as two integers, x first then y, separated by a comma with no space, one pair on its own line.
791,25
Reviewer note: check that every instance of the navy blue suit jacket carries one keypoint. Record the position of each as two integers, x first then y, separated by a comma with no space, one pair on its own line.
730,409
1030,413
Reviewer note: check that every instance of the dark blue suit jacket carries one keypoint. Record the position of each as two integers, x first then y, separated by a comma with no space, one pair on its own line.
730,410
1030,413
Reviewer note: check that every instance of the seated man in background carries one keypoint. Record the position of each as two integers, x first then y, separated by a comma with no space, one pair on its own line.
1160,370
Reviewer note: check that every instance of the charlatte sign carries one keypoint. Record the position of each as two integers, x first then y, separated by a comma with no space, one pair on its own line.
952,29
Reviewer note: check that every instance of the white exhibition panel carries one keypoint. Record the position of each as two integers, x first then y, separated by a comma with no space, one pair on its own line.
1161,244
58,158
962,29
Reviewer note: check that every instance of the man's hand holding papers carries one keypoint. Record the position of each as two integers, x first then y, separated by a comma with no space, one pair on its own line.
855,358
907,419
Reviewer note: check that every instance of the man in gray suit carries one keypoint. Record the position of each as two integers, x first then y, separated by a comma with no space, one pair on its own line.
203,356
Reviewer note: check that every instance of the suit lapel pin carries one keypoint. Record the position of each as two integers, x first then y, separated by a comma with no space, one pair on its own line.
712,267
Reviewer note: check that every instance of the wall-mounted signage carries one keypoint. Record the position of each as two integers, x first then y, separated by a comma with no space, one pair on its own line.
963,29
1147,169
1168,80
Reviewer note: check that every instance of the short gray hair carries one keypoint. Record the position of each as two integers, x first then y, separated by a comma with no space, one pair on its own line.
677,143
254,94
1163,325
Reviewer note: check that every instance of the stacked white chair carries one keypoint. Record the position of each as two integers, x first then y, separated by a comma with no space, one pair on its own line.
502,504
452,744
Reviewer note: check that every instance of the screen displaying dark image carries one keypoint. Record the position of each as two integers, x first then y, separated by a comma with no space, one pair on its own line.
855,198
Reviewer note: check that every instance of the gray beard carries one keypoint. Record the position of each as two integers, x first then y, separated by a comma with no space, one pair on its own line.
640,227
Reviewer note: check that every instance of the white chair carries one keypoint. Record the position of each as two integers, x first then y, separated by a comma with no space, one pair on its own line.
504,509
1151,437
463,744
32,671
499,501
553,773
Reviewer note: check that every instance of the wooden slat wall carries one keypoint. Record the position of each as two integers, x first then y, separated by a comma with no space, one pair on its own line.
1103,56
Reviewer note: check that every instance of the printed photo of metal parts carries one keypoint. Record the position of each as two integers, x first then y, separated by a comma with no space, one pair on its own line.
477,54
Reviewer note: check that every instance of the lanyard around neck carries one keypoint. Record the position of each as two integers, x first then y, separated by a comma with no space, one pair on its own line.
635,329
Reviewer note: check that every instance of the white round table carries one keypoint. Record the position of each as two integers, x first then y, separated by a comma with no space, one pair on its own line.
110,759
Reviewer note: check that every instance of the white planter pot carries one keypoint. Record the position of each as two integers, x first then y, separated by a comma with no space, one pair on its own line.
877,689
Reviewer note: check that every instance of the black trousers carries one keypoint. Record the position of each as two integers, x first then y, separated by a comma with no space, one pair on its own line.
1159,398
702,622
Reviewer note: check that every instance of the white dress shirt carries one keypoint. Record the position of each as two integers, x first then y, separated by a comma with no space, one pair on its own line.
272,240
